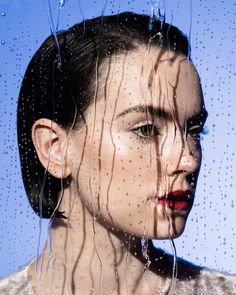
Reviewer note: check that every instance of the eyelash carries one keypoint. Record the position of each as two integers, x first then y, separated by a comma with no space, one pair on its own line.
152,130
198,132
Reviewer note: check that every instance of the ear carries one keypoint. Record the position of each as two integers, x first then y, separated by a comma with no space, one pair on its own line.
51,142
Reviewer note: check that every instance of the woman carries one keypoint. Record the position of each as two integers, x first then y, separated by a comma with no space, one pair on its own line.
109,122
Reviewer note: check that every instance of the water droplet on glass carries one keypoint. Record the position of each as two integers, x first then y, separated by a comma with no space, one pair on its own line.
3,14
62,3
3,42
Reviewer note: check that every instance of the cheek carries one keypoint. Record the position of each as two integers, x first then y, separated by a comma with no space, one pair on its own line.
116,180
128,176
130,160
195,147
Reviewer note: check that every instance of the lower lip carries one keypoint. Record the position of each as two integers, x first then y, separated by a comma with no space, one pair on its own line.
175,205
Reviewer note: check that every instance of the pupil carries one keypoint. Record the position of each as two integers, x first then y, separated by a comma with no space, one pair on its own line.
147,130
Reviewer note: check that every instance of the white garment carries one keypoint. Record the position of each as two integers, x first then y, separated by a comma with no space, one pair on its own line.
207,283
17,284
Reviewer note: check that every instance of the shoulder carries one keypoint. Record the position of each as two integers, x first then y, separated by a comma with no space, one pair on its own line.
208,282
191,279
16,283
217,282
194,279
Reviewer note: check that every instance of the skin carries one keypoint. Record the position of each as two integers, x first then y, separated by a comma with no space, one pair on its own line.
118,163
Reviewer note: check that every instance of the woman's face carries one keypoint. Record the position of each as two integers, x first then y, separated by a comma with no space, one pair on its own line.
136,160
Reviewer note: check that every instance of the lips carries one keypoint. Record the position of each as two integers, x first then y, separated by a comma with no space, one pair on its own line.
178,200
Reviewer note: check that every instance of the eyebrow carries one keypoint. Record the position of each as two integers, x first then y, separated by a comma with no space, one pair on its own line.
163,114
147,109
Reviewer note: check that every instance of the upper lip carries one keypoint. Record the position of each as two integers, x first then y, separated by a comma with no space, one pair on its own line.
178,195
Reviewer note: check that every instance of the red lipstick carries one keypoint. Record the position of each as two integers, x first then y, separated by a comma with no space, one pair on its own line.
178,200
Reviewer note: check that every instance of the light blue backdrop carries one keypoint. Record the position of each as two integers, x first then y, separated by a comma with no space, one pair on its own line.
210,236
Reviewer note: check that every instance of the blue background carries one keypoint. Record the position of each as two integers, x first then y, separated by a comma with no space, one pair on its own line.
210,235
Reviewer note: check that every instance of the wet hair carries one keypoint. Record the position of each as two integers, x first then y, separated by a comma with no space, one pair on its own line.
60,85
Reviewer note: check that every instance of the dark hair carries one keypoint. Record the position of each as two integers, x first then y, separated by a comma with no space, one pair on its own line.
58,87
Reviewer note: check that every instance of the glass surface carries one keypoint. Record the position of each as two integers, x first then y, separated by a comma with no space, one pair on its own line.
210,235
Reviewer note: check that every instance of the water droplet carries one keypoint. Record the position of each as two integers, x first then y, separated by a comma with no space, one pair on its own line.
3,42
62,3
3,14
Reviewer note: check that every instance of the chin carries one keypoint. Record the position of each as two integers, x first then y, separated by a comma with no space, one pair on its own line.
173,227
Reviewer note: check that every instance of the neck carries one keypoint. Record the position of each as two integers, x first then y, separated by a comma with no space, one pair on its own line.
87,256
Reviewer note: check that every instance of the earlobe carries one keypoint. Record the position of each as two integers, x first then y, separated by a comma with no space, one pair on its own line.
50,142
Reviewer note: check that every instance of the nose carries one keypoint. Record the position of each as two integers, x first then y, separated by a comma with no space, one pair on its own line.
185,158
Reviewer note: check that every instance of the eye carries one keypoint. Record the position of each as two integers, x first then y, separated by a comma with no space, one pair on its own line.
147,130
197,132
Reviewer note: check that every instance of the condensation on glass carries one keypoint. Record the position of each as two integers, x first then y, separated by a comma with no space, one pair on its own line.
139,136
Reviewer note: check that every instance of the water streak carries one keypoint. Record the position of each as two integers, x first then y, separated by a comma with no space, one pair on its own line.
54,32
83,17
158,12
174,268
61,4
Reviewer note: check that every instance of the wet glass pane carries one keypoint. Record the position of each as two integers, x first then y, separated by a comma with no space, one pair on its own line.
125,169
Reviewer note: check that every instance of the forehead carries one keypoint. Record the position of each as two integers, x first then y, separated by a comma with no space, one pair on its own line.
151,77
